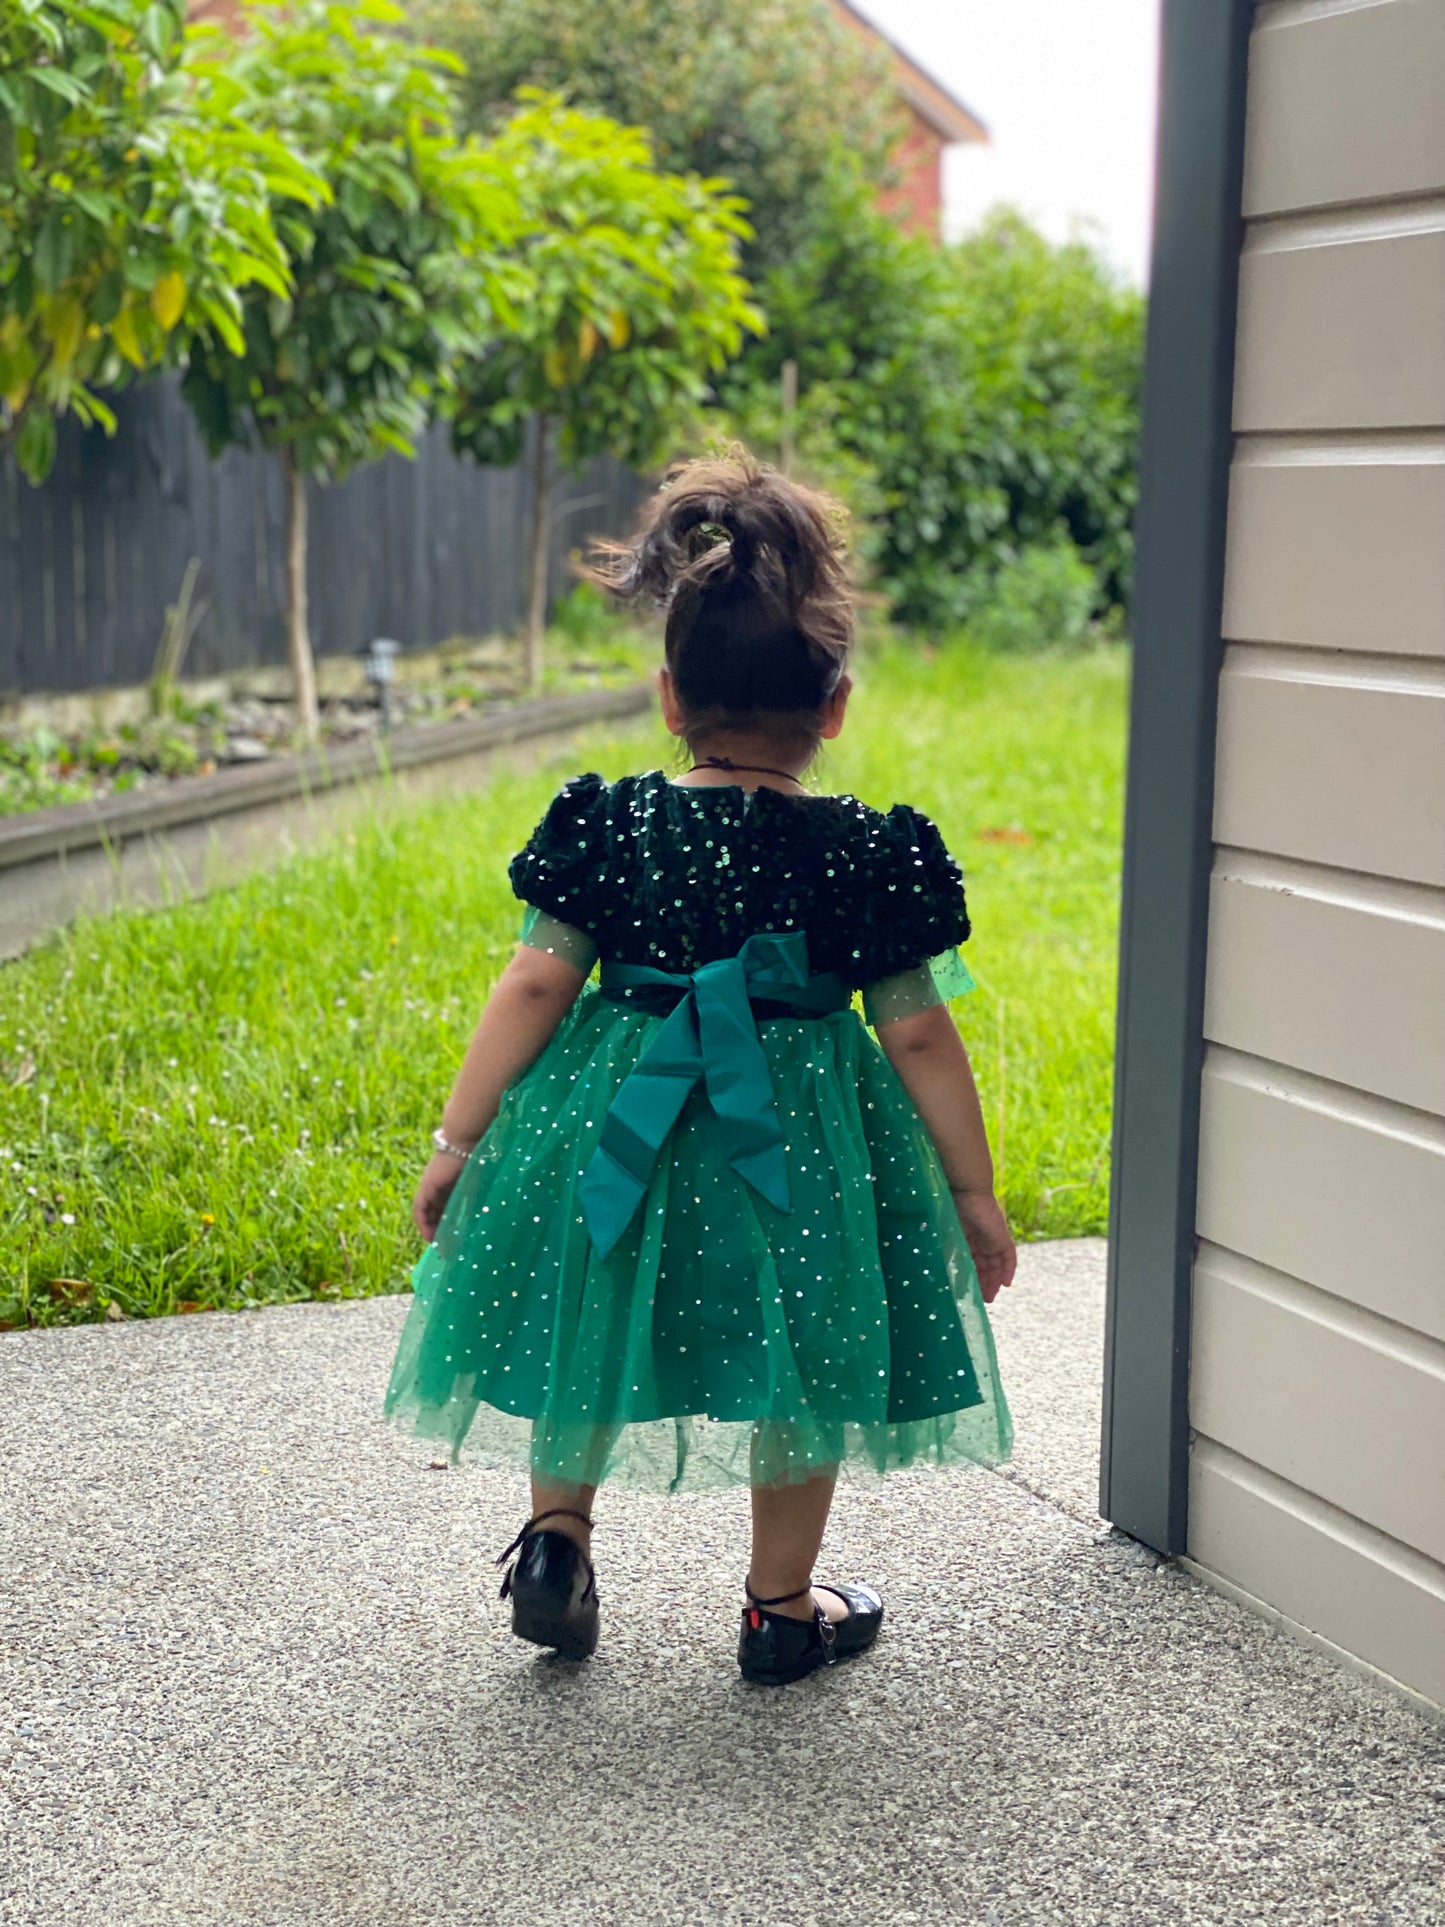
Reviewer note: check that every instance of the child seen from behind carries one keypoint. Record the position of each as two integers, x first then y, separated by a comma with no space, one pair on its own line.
692,1225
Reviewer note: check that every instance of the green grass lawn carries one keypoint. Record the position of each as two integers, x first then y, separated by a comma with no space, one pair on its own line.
226,1103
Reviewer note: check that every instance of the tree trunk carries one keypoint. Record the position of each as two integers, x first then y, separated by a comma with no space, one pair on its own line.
788,430
541,531
298,635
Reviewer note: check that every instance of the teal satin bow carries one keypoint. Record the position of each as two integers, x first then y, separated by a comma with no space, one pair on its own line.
710,1037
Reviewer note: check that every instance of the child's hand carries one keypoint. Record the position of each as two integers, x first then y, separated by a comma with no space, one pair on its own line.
989,1239
438,1181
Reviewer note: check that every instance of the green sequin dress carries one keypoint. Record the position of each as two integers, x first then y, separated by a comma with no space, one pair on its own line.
785,1287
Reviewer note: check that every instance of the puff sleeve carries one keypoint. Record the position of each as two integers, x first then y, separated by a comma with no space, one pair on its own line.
916,918
560,874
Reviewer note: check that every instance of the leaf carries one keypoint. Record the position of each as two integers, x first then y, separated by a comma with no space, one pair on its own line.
64,327
74,1291
123,334
619,330
100,207
158,30
92,411
554,367
168,299
225,326
59,82
35,452
588,340
141,270
106,301
52,252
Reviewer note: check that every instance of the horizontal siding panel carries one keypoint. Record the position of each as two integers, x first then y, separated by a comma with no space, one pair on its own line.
1349,992
1339,555
1346,107
1342,335
1335,771
1317,1403
1317,1570
1281,1179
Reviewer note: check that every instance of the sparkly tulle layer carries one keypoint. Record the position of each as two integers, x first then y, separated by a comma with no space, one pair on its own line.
721,1341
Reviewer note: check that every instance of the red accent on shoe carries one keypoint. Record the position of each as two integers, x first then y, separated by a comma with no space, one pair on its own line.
756,1617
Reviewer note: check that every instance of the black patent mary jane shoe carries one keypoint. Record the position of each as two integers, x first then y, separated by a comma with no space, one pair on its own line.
553,1588
774,1650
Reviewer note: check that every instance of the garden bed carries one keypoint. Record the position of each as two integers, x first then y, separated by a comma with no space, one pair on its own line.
190,833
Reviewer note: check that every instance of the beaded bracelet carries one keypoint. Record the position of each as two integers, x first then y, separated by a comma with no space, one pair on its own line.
447,1148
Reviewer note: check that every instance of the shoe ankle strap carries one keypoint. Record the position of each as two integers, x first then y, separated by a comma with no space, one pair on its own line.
557,1512
781,1599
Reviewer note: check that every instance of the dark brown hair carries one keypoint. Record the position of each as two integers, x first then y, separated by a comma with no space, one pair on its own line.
749,569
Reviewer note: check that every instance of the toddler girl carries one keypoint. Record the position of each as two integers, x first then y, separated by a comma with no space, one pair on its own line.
691,1224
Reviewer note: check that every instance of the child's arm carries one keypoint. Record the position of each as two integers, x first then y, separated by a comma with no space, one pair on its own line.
533,995
928,1054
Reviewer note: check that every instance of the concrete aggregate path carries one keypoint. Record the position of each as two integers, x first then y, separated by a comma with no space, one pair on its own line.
253,1673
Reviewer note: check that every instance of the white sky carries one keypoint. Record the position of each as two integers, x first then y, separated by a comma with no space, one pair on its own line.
1067,90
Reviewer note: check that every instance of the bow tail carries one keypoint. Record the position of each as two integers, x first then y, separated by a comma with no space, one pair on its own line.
646,1107
739,1083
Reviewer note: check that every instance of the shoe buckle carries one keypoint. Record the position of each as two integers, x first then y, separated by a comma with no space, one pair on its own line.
828,1633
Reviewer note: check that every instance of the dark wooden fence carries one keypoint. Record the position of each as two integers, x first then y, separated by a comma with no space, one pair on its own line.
419,551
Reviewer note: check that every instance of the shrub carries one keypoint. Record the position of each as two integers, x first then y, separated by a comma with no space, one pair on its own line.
587,619
1044,598
989,388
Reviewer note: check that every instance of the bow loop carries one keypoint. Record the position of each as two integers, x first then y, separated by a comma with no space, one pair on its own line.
709,1037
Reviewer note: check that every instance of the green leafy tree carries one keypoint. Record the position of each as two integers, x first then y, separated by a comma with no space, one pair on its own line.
774,97
135,206
989,389
635,302
397,276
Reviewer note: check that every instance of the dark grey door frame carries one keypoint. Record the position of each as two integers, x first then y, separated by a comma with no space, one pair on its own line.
1178,594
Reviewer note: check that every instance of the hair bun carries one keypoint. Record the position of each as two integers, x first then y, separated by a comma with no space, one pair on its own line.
749,567
730,517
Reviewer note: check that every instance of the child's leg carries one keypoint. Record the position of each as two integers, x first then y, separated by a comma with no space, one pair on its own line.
788,1525
548,1497
583,1447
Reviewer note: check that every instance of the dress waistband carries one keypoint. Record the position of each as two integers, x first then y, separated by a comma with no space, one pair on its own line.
818,994
709,1037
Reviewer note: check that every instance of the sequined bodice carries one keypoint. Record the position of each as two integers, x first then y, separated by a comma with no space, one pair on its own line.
673,876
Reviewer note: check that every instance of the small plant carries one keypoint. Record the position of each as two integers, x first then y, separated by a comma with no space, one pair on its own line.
1044,599
183,618
592,640
35,773
585,619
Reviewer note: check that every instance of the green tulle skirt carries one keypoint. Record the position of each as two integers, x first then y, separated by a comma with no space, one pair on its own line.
721,1340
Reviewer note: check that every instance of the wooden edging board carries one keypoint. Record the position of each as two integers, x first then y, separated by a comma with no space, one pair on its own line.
150,845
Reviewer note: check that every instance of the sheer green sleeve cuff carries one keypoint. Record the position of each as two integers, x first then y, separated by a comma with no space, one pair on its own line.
939,981
541,932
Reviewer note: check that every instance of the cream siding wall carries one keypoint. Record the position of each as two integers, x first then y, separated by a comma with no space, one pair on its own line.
1317,1380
